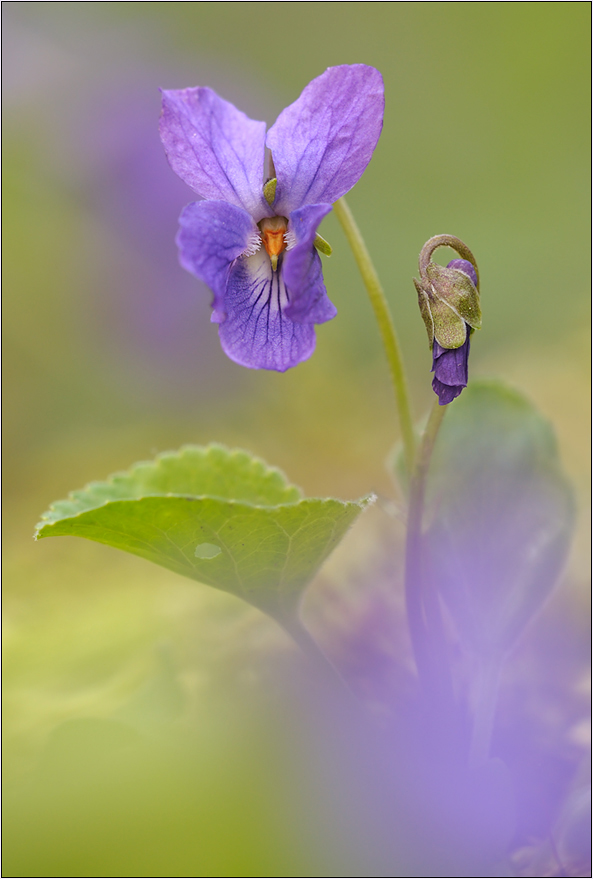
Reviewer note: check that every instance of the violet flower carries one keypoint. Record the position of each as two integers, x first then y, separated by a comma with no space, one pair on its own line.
450,365
254,245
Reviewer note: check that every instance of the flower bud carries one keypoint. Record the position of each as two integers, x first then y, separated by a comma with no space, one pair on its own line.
449,303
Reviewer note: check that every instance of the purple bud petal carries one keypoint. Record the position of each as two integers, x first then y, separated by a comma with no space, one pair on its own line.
450,367
463,265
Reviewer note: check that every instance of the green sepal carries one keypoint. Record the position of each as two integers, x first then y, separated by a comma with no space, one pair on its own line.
322,245
449,327
456,289
270,190
424,305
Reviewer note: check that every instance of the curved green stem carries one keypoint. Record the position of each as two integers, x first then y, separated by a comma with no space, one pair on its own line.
446,241
422,605
385,322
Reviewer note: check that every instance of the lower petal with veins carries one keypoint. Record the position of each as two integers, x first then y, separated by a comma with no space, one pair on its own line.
256,331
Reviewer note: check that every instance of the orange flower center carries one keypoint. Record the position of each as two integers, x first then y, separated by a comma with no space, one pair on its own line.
273,230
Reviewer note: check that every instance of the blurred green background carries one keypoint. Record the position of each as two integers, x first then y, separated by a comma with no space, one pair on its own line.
109,356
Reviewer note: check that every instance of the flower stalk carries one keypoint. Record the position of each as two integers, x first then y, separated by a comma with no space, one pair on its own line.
325,671
386,327
422,603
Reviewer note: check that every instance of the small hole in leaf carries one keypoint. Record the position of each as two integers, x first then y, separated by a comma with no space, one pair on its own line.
207,551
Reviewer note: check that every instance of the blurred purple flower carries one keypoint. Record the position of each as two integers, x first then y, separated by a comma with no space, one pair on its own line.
450,364
268,299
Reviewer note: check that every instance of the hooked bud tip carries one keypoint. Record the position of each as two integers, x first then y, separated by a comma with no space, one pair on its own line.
448,297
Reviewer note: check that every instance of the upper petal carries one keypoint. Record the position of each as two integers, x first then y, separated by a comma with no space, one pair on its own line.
322,143
301,268
215,148
211,235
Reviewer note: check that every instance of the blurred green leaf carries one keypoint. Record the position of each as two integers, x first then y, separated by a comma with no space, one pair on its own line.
500,514
218,516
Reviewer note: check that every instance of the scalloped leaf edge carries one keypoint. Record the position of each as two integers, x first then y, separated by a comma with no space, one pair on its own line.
53,515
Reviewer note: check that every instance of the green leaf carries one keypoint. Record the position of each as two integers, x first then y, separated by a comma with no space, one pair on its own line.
218,516
500,514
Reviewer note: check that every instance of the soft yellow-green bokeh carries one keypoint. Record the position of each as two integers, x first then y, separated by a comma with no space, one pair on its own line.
485,137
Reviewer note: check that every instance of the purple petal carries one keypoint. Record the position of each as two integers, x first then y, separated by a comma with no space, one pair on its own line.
450,367
450,364
257,332
463,265
445,393
214,148
211,235
301,269
322,143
